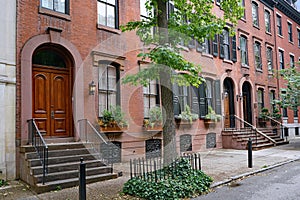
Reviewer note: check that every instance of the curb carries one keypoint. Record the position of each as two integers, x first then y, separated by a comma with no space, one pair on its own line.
233,178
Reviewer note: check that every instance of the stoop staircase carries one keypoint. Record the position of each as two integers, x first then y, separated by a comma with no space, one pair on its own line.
63,166
238,137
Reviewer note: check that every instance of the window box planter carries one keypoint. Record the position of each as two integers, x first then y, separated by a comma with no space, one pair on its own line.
114,129
209,123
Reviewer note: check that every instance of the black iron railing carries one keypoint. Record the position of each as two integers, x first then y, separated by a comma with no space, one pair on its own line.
242,123
153,169
284,130
39,145
94,141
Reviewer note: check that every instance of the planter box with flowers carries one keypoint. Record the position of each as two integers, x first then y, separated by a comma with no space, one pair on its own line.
154,123
211,118
186,118
276,116
113,120
263,117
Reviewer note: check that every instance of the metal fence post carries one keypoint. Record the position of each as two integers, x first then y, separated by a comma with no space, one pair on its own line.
82,181
250,153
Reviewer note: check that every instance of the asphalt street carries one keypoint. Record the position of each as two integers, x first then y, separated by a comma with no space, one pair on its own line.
281,183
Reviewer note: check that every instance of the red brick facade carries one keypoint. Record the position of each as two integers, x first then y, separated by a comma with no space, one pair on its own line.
88,44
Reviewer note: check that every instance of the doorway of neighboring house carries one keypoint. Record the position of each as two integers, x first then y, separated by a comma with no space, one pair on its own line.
229,112
51,92
247,105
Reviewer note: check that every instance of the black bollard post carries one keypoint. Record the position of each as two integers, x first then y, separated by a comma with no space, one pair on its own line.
82,181
250,153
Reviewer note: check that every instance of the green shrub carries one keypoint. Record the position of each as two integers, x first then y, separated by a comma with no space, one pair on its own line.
181,182
3,183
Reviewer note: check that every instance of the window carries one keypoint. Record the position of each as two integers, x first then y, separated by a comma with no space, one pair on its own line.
298,38
284,110
292,61
151,97
268,21
290,32
244,50
270,59
108,13
243,5
207,94
257,55
180,98
272,98
279,25
224,45
215,46
260,99
108,87
281,59
255,14
204,47
61,6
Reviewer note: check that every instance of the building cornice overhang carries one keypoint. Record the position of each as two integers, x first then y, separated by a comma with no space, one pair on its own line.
288,10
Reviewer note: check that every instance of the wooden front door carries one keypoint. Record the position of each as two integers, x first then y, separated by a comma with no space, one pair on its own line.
226,111
51,101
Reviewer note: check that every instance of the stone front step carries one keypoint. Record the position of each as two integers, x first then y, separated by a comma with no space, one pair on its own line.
63,166
238,139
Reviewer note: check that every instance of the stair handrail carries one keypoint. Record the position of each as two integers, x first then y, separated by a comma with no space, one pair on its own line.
256,129
93,144
93,128
40,146
278,122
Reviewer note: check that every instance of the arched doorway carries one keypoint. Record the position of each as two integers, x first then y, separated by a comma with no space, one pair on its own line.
229,111
51,91
247,105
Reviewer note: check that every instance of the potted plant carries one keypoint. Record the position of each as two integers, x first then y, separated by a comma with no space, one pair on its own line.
276,116
113,120
263,117
186,117
211,117
155,119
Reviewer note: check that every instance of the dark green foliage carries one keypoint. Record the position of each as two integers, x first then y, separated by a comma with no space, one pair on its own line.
180,182
3,183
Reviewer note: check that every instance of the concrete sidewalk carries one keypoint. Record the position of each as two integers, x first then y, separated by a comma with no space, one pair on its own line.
223,165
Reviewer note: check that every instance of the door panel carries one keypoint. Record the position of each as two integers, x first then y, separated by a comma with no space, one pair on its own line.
51,101
226,112
41,102
59,104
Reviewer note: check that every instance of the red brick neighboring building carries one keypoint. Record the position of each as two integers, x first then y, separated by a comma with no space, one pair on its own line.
63,47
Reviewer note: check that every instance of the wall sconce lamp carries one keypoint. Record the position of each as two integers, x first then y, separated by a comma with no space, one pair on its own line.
92,88
239,96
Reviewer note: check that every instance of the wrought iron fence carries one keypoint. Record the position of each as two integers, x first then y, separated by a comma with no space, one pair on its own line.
153,169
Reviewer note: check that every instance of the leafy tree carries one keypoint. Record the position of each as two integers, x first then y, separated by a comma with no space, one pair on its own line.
290,95
189,19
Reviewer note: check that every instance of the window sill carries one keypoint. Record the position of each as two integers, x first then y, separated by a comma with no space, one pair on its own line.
108,29
255,26
268,33
244,20
259,70
207,55
291,42
53,13
281,36
228,61
245,66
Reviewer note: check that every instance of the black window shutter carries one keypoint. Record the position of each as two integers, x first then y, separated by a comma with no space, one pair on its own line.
195,100
233,40
176,100
218,97
221,45
215,46
202,101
